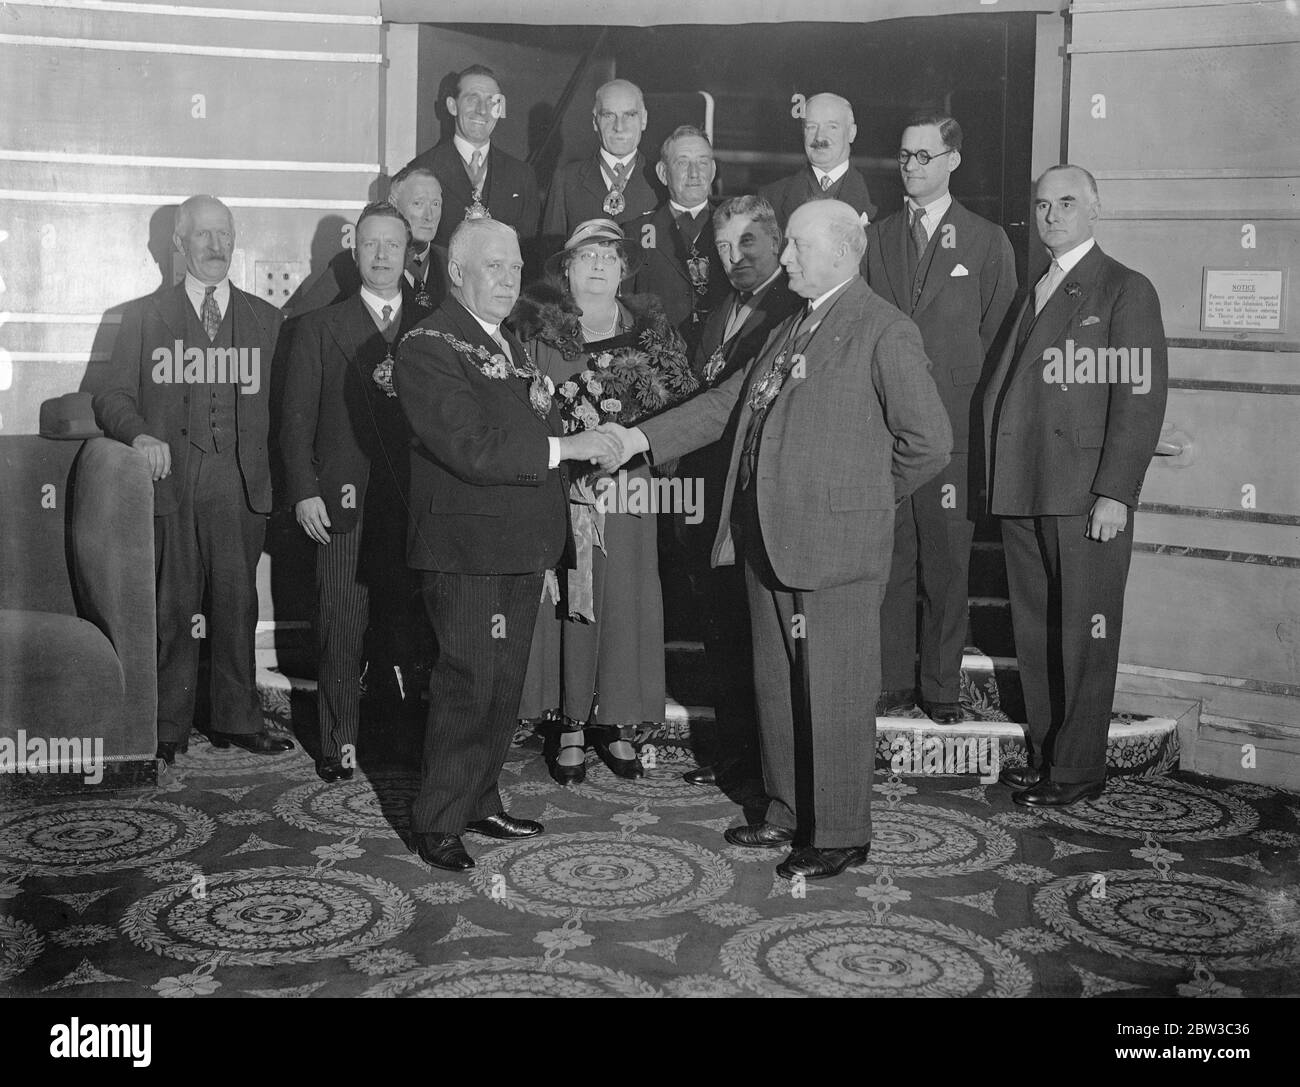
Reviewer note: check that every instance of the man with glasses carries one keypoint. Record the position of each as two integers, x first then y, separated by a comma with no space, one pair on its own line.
954,274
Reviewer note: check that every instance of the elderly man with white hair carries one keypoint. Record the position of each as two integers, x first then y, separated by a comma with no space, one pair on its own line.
828,134
835,422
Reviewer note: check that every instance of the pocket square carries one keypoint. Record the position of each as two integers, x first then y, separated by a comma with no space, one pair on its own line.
960,270
1094,320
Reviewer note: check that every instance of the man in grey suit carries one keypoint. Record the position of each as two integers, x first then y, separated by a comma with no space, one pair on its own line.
835,422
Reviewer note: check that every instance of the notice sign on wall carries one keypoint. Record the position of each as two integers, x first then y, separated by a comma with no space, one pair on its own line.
1246,299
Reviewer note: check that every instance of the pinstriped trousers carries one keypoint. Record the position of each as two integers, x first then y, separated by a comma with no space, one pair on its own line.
484,629
342,616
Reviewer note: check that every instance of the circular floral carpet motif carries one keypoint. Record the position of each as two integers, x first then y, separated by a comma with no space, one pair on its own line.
609,876
512,978
924,840
1172,811
374,805
837,953
1137,915
269,916
84,837
661,787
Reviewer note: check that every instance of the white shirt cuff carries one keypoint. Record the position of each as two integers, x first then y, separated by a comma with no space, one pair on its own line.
553,456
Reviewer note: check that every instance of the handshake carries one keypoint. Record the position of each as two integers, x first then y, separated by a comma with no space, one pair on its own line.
608,445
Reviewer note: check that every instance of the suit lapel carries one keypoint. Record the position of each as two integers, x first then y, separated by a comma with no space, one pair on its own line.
451,172
171,307
678,255
893,254
351,327
470,330
593,178
943,260
1052,323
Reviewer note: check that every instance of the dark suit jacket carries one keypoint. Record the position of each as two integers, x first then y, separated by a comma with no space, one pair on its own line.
1054,448
664,273
771,308
578,193
787,193
482,498
133,403
509,189
336,422
341,280
959,315
841,446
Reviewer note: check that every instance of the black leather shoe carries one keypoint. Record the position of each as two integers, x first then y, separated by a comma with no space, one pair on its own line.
944,713
167,752
702,775
259,743
502,825
812,863
1055,794
759,836
723,772
568,775
624,768
1020,777
333,770
443,851
894,702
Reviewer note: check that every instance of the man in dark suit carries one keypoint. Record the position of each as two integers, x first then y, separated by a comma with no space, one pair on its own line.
416,193
828,135
614,183
1072,415
490,514
346,448
475,174
748,243
835,422
954,274
680,267
189,389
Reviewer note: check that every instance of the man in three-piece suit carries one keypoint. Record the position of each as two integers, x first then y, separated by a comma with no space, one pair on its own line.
1072,414
680,267
346,448
828,135
190,377
490,514
614,183
833,424
416,193
475,174
954,274
748,244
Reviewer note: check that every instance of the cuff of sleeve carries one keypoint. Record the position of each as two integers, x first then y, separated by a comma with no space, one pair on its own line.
552,453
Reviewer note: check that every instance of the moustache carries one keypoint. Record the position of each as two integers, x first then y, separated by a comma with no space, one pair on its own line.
820,144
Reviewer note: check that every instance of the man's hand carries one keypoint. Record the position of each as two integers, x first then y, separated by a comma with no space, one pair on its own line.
158,453
591,445
630,442
313,518
1107,519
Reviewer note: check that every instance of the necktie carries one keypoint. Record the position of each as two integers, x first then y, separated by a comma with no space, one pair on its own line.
386,317
476,171
620,168
211,315
505,347
920,239
1046,286
826,182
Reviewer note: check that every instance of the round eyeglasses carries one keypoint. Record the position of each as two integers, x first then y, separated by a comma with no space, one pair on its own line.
923,157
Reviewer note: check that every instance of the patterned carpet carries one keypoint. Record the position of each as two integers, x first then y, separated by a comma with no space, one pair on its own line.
249,876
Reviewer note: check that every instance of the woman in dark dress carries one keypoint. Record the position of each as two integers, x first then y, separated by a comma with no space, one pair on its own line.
603,641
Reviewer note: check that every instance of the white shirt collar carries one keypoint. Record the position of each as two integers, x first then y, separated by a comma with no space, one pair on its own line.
611,161
933,212
816,303
466,150
377,304
835,173
689,211
1071,257
491,330
196,290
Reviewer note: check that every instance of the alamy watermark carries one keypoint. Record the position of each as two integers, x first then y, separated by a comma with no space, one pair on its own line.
1100,366
922,754
658,494
23,754
181,365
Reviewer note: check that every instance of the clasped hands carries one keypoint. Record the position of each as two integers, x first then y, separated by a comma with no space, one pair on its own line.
609,445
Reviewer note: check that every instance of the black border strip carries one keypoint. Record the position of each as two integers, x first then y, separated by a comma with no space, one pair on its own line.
1201,343
1178,551
1205,385
1258,517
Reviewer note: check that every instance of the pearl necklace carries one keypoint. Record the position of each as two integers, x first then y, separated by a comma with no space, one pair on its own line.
600,335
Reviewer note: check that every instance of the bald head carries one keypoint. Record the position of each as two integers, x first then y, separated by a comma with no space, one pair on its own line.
619,116
828,130
205,235
824,244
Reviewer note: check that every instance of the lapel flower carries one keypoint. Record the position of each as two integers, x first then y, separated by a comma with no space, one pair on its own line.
1073,289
